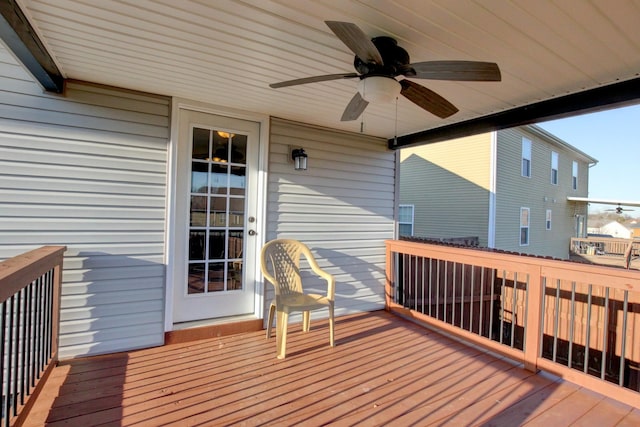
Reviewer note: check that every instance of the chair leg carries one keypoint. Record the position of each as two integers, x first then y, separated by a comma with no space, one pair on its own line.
306,321
281,333
331,326
272,309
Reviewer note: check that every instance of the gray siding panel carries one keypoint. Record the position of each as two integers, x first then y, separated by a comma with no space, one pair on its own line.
448,184
537,193
341,207
88,170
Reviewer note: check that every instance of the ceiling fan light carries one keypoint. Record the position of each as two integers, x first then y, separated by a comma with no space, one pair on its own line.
379,89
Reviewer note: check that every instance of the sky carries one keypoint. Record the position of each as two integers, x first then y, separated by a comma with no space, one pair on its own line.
613,138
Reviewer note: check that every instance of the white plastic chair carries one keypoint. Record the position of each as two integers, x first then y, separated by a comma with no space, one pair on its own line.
280,263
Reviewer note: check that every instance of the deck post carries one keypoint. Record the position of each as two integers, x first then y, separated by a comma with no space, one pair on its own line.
389,277
533,326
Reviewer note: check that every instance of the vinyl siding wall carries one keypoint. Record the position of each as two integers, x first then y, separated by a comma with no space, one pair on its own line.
342,207
448,183
537,193
88,170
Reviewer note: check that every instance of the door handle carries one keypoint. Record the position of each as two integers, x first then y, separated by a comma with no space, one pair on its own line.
252,232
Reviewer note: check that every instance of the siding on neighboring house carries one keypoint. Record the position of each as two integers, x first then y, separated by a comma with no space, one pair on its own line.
449,185
537,193
342,207
88,170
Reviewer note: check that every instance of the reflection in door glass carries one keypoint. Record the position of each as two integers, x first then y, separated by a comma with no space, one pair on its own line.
216,227
198,214
195,279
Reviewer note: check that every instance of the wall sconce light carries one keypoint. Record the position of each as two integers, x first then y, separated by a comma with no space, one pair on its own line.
299,159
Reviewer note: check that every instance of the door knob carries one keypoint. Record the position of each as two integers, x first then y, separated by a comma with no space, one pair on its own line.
252,232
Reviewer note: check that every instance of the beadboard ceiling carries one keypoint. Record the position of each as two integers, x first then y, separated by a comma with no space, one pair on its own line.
227,52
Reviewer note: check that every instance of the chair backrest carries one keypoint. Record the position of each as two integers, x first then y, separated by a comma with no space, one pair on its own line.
280,264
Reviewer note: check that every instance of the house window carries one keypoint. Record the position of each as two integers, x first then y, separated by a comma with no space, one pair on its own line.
554,168
548,221
524,226
405,220
526,157
574,175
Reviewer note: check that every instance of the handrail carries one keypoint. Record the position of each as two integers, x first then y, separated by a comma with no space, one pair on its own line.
578,321
29,321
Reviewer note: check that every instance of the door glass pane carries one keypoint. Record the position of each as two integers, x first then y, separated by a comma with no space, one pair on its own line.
200,147
238,180
236,212
234,281
220,147
197,245
216,277
219,179
218,212
198,211
235,244
195,281
239,149
217,244
199,171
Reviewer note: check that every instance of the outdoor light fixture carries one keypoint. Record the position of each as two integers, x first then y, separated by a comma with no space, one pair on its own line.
379,89
299,159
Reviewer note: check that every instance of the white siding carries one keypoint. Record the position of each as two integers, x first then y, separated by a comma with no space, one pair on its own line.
342,207
88,170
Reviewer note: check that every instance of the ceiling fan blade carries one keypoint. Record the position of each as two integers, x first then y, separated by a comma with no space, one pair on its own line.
472,71
356,40
355,107
314,79
427,99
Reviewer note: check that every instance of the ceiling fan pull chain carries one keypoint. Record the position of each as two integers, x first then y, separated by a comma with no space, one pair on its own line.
395,130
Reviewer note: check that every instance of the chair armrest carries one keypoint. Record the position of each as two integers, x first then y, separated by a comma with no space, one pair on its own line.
331,282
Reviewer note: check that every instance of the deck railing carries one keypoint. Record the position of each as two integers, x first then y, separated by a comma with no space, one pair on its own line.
603,246
578,321
29,317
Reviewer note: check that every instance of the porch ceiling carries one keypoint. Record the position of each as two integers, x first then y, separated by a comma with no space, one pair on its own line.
228,52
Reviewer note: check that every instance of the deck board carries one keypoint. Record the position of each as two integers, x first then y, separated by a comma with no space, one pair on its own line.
383,371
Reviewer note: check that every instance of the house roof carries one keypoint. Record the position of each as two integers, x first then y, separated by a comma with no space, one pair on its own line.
226,53
554,140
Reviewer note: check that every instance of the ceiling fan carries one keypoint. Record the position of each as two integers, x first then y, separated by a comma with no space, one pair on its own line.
380,60
618,210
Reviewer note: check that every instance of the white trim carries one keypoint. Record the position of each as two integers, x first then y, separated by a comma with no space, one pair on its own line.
493,182
528,144
413,212
555,156
396,195
176,105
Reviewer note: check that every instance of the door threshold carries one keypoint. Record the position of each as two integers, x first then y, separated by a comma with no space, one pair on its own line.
212,328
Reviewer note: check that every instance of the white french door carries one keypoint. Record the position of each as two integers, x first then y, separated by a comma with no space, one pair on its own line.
216,216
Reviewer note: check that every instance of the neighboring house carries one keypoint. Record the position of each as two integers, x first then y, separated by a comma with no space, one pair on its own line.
635,230
509,188
615,229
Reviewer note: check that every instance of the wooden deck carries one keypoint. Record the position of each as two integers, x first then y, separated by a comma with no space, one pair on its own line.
383,371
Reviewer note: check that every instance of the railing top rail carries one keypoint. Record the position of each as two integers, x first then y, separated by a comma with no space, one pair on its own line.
19,271
613,276
601,239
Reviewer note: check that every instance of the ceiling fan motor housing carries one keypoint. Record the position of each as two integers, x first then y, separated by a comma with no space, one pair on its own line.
396,60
